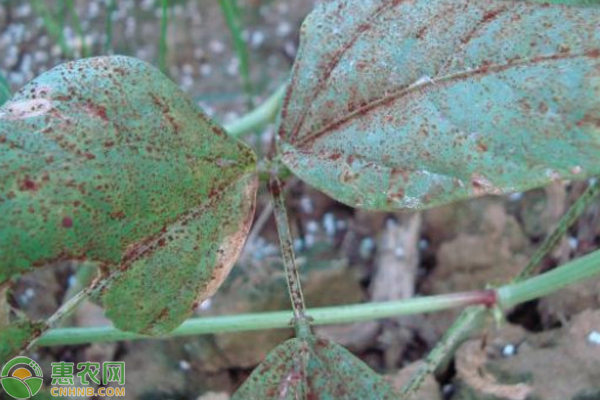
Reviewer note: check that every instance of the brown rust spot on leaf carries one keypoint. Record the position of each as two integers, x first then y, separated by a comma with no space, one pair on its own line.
67,222
28,185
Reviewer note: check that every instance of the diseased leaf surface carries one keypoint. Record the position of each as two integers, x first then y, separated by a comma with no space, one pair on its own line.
16,336
413,104
315,369
105,159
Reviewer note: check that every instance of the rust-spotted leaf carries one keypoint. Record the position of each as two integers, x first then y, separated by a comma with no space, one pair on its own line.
315,369
412,104
104,159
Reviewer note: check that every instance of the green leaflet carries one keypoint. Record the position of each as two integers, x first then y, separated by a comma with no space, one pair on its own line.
398,104
105,159
313,368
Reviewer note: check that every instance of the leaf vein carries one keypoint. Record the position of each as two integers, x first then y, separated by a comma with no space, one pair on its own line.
407,90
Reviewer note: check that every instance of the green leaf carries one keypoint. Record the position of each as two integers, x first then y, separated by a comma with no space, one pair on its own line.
413,104
316,369
106,160
16,336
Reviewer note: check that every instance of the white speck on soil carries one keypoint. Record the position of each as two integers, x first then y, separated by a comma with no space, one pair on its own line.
594,338
329,224
184,365
312,227
306,205
509,350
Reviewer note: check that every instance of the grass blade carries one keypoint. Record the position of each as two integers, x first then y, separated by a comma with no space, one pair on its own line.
110,9
53,25
162,45
231,13
70,5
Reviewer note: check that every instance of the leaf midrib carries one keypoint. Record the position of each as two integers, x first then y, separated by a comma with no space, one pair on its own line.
407,90
320,85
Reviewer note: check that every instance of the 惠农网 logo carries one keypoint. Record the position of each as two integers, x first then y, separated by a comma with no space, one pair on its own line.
21,378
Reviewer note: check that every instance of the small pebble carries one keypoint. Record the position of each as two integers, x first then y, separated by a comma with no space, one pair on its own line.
206,304
178,10
147,5
27,295
93,9
366,247
309,240
283,8
399,252
184,365
329,224
448,390
257,39
306,205
186,82
284,29
594,338
233,67
24,10
312,227
298,244
515,196
205,70
573,243
267,136
509,350
72,281
216,47
231,116
187,69
290,48
130,27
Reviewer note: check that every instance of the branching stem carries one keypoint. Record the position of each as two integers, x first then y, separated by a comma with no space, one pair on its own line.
286,244
566,221
464,324
259,117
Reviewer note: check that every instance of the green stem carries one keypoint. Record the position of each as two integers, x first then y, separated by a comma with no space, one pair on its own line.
274,320
551,281
290,265
462,326
574,212
507,296
64,311
470,320
259,117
